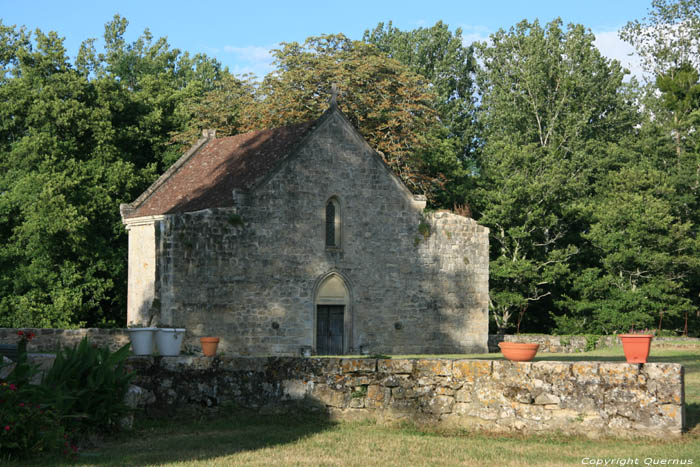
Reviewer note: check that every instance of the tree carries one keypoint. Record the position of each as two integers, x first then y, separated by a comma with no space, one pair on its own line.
389,104
222,109
647,254
668,40
668,37
59,178
442,58
552,110
75,142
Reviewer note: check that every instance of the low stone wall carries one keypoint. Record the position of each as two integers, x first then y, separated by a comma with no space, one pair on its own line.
585,398
48,340
571,344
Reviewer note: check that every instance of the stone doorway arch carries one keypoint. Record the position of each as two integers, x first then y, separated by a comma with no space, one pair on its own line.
332,315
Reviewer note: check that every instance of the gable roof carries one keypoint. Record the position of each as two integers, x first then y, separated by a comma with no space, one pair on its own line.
206,175
212,169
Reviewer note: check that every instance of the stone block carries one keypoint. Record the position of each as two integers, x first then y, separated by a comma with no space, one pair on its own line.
615,374
441,404
377,396
585,372
403,366
546,399
296,389
328,396
391,381
434,367
471,370
513,371
356,365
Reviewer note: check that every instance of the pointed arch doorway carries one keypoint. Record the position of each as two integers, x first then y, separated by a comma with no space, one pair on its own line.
332,316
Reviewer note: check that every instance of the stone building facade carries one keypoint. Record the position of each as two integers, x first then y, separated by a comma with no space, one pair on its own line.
303,237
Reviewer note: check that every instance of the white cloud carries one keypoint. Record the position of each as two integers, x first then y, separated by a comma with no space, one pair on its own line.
610,45
474,33
251,59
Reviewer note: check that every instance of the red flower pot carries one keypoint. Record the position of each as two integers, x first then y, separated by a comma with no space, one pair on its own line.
636,347
209,345
518,351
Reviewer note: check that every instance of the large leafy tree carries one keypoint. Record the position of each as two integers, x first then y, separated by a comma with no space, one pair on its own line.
647,252
389,104
552,109
440,56
668,40
75,141
59,177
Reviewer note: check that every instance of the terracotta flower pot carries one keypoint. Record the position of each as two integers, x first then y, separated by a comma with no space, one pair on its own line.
636,347
209,345
518,351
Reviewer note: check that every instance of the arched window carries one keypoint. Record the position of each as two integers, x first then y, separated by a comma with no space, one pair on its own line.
332,223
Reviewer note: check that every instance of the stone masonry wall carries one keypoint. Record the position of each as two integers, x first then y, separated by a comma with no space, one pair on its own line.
48,340
571,344
585,398
418,282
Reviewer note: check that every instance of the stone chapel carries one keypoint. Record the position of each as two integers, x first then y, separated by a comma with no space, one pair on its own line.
301,237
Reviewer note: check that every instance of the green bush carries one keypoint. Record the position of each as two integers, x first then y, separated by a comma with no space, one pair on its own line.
591,342
27,428
86,386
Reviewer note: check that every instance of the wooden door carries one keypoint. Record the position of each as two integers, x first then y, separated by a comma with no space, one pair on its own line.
329,329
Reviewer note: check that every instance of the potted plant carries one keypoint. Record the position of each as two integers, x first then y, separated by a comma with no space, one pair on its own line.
169,341
209,345
519,351
636,345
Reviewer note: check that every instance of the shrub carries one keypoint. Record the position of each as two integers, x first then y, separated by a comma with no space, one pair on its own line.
591,342
86,385
27,428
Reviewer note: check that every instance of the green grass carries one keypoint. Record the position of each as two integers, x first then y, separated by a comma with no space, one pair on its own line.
242,438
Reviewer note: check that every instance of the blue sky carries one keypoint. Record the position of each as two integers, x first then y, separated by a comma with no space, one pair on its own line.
240,34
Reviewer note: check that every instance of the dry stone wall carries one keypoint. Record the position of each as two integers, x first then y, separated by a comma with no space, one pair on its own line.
585,398
48,340
571,344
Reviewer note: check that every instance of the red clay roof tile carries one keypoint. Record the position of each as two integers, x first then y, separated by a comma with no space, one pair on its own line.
208,178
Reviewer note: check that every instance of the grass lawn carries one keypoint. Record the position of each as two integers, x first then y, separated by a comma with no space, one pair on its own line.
250,439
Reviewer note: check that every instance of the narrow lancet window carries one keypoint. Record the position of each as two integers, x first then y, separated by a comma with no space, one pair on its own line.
330,224
333,222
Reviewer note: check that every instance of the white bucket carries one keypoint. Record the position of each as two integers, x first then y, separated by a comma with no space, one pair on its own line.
169,341
142,340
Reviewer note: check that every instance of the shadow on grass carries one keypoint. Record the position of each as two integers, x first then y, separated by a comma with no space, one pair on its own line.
692,417
185,439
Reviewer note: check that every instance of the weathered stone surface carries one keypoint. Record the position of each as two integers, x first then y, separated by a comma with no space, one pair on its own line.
546,399
436,367
47,340
471,370
329,396
395,366
355,365
248,271
587,398
391,381
377,396
296,389
569,344
441,404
